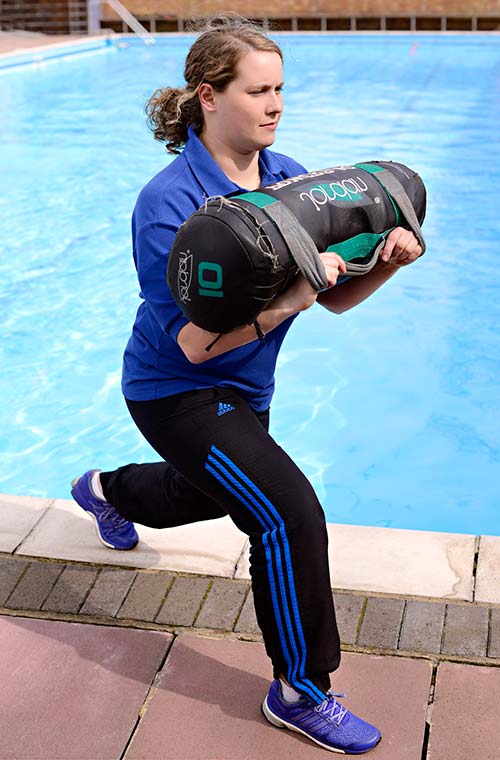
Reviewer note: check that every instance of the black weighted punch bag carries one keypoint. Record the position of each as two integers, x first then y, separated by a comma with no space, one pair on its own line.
235,254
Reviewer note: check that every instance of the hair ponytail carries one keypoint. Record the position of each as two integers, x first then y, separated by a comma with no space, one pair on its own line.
170,111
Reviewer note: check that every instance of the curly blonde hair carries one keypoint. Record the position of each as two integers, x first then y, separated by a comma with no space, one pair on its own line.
212,58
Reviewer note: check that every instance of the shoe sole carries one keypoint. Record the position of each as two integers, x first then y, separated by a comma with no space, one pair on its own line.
280,723
96,524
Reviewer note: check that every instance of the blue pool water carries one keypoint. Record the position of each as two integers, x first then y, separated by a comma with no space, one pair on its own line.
392,410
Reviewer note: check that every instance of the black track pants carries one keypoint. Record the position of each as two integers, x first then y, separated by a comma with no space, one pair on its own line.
220,459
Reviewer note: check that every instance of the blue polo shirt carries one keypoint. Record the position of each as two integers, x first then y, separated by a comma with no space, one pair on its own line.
154,365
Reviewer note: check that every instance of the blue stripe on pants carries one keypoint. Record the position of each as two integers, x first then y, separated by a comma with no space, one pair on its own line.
275,541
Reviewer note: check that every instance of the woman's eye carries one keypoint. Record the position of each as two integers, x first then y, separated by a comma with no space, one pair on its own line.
264,90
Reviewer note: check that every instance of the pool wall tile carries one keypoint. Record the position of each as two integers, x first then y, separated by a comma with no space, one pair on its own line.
488,570
18,516
66,532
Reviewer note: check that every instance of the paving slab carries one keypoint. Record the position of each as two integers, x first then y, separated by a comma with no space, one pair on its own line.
407,562
35,586
396,561
10,574
183,601
348,609
465,724
108,592
422,628
71,589
15,42
145,597
222,604
18,515
66,532
466,630
381,623
494,642
247,621
70,690
488,570
220,684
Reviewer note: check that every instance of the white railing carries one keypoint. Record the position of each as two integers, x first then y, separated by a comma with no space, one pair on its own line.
131,21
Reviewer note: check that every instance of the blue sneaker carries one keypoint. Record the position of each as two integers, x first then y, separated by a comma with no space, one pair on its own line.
329,724
113,530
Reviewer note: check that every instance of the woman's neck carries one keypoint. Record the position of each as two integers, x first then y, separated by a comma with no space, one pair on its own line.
242,169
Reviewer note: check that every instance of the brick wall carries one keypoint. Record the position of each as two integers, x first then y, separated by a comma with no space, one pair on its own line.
311,8
48,16
70,16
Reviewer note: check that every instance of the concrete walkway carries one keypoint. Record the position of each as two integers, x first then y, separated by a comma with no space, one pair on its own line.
20,41
156,654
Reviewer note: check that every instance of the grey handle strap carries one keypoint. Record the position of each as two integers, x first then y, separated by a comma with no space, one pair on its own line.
356,270
396,189
300,243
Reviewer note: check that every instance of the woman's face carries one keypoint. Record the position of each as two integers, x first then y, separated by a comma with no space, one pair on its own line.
245,115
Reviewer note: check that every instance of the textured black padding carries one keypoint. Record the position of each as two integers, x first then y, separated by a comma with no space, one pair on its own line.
233,256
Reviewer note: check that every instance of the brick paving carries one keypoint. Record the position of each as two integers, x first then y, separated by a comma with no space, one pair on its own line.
183,601
423,624
222,604
34,586
174,601
395,649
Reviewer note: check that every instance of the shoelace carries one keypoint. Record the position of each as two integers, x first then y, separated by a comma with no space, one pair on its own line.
110,515
331,709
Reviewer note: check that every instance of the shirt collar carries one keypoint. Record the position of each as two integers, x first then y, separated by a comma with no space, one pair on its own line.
211,177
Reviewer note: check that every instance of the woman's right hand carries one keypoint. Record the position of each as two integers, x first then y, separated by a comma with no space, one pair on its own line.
301,295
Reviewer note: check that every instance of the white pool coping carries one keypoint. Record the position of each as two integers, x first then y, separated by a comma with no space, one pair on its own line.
362,559
45,52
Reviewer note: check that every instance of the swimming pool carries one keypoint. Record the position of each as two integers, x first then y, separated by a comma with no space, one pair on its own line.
391,409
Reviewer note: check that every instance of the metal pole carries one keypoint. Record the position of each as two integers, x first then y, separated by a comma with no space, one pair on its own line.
94,12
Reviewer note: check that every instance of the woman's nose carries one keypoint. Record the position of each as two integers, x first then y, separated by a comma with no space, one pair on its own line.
275,103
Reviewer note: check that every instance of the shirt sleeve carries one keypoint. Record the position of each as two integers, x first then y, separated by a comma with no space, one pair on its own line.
152,245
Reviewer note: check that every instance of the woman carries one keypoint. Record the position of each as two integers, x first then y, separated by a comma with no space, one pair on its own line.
207,412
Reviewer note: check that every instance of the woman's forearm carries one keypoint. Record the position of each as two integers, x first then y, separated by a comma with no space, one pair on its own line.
351,293
299,297
194,341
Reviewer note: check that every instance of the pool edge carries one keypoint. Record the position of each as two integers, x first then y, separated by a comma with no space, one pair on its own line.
422,564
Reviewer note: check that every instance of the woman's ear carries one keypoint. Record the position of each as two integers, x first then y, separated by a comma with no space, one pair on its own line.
206,94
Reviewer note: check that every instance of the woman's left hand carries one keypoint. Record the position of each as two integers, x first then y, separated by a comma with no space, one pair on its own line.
401,247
